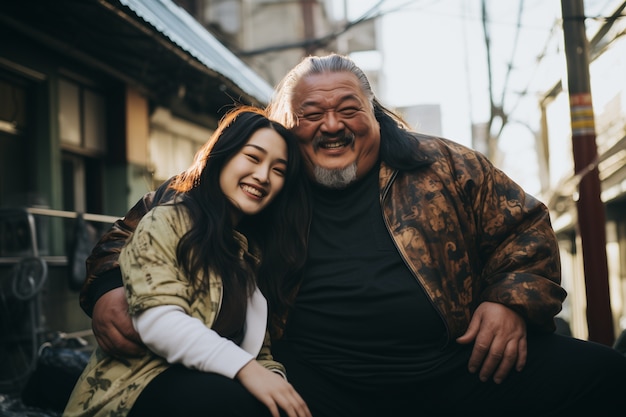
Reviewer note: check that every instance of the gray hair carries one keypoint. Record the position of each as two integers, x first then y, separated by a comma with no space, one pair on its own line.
281,108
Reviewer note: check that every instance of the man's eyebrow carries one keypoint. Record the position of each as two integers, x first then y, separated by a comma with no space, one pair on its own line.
309,104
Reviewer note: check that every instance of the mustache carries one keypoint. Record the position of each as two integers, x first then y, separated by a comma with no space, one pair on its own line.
319,140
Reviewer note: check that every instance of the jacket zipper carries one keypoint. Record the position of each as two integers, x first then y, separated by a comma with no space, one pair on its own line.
400,250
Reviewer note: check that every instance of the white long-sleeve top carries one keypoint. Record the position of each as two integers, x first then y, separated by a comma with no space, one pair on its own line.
171,333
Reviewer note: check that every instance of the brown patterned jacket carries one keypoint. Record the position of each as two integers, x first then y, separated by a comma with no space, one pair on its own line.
467,232
470,234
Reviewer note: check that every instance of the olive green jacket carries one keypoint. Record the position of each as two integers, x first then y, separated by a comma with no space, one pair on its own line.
152,277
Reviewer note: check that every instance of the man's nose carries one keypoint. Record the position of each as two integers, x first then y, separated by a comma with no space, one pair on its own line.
332,123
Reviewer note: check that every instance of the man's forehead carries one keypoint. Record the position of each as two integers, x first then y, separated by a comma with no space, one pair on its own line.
331,99
322,88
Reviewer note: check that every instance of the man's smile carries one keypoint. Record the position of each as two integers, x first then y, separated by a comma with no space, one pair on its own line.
333,143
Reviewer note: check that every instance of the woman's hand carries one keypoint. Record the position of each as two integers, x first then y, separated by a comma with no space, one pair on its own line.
272,390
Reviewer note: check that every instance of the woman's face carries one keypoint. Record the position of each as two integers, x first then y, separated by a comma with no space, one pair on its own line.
254,176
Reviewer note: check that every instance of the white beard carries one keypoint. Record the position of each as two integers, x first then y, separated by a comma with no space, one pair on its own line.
335,178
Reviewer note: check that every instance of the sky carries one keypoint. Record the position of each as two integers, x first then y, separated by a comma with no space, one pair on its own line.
434,52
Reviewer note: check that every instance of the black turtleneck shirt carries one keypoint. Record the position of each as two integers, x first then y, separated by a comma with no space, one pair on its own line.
360,314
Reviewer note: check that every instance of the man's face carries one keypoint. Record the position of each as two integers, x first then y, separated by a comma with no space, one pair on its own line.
338,132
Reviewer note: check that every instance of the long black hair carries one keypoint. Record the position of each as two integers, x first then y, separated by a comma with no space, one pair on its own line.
278,232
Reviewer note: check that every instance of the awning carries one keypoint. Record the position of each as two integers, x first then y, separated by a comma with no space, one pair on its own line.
186,32
152,45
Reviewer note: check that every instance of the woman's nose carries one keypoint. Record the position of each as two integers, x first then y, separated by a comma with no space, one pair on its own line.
261,174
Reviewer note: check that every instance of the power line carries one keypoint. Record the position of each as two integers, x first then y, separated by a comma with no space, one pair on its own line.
593,43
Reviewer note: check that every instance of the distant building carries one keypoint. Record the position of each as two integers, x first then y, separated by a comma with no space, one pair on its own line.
480,137
273,36
424,118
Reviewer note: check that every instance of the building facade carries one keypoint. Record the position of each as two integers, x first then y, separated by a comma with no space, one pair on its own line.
272,36
100,101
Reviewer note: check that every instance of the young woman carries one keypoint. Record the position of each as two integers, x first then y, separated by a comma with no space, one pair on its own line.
196,273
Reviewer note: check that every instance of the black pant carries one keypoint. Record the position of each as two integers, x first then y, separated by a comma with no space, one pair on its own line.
563,376
179,391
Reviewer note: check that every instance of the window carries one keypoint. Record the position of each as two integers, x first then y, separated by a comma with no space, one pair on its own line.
82,130
173,143
12,107
81,117
17,165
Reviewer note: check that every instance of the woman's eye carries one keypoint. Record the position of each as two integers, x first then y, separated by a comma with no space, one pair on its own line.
253,157
280,171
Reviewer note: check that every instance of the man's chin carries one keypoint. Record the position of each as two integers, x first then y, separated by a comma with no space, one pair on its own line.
337,178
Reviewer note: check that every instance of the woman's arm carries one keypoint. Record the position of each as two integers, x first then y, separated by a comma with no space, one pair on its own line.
171,333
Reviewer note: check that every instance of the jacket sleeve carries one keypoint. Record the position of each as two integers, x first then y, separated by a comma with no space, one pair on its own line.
519,249
103,268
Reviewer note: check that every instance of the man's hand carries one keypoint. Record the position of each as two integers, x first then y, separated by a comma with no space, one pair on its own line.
272,390
499,336
113,327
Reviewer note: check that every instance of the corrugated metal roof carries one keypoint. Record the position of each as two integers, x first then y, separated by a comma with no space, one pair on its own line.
186,32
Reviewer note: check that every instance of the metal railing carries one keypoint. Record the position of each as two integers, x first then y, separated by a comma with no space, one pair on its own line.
24,261
19,234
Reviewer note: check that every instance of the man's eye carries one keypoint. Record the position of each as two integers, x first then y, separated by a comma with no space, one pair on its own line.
313,116
349,111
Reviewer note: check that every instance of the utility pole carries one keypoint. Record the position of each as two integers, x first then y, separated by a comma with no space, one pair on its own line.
591,216
309,26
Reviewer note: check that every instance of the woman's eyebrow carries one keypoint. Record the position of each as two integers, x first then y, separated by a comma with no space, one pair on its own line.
260,148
